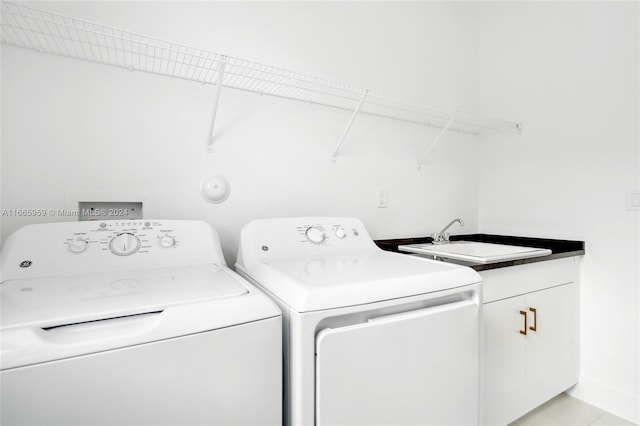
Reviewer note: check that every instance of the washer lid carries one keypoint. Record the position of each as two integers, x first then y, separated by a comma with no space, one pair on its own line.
45,319
316,283
59,301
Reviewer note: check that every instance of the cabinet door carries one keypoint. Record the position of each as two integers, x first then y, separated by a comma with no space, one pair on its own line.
504,363
551,347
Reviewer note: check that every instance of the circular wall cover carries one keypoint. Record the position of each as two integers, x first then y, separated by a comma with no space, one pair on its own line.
215,189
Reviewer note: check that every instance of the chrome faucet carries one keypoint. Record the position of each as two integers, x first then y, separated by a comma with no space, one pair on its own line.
441,237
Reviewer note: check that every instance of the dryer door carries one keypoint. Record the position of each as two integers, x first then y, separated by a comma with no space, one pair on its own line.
414,368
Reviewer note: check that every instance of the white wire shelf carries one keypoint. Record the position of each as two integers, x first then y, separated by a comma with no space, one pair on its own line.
47,32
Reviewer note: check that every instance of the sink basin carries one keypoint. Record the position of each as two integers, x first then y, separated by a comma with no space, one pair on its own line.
471,251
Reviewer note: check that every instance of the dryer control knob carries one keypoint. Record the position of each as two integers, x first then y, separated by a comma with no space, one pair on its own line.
340,232
78,246
124,244
167,241
314,235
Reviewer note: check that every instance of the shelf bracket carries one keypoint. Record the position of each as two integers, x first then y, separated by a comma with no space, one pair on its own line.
437,138
216,100
346,130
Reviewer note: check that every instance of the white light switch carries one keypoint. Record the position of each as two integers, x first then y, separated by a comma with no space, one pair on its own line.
633,200
382,198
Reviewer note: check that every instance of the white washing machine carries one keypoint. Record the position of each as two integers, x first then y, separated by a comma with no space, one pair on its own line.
133,323
370,337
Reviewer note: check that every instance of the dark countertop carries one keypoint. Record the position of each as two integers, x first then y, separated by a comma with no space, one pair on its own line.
559,248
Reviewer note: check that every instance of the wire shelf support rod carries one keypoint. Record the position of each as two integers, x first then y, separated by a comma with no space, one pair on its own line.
346,130
437,138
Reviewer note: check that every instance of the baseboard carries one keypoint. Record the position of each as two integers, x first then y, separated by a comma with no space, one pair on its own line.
608,398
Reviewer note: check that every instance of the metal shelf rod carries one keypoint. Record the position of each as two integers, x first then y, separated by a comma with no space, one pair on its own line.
437,138
216,101
346,130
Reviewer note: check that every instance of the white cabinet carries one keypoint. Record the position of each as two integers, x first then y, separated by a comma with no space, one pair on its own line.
530,337
551,348
503,366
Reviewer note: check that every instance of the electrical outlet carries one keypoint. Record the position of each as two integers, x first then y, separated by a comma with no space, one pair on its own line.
382,198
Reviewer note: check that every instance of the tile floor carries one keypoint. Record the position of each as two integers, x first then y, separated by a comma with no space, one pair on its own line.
565,410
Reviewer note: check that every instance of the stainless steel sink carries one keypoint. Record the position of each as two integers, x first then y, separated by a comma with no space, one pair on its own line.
471,251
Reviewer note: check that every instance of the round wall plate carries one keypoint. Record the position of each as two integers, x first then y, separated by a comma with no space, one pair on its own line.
215,189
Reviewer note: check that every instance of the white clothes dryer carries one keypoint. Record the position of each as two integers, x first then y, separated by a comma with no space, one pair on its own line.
133,323
370,337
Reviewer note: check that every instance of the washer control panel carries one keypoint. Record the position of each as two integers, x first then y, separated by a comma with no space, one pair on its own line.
93,246
124,238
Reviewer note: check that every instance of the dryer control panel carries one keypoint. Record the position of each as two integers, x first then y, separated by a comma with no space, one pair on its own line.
318,233
266,239
71,248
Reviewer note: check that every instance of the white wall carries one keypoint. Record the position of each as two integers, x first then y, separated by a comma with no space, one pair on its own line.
570,70
71,125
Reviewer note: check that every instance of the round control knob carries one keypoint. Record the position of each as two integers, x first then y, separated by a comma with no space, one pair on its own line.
340,232
124,244
314,235
167,241
78,246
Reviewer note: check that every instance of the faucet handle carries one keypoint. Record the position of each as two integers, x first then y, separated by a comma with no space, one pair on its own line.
439,238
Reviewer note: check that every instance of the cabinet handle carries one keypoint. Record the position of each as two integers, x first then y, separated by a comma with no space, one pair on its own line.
524,331
535,319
